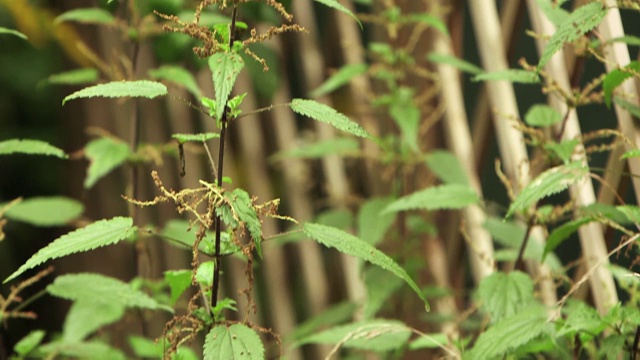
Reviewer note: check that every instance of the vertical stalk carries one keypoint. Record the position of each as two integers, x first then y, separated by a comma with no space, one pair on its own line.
223,133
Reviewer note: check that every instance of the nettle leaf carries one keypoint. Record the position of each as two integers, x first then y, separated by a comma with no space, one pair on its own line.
380,286
406,115
372,223
542,116
94,350
74,77
581,318
233,342
99,289
447,167
204,274
563,150
450,196
100,233
632,212
177,75
29,343
334,4
336,314
87,316
372,335
335,146
340,78
456,62
177,232
326,114
553,11
121,89
426,19
179,281
627,39
632,108
510,333
225,67
511,75
243,207
578,23
46,211
86,16
616,77
504,295
562,233
30,147
429,341
201,137
148,348
104,154
548,183
630,154
4,30
351,245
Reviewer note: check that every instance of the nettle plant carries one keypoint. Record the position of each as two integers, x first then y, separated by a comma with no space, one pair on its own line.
219,217
513,314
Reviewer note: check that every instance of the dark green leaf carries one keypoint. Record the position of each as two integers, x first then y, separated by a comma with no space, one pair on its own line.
87,316
562,233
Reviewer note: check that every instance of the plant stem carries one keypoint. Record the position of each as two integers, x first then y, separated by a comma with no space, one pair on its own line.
636,344
520,260
223,133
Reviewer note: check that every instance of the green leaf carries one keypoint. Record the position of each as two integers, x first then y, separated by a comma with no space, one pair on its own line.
458,63
46,211
578,23
447,167
335,146
94,350
100,233
31,147
334,315
326,114
86,16
511,75
616,77
631,154
177,75
504,295
372,224
429,341
104,154
553,10
542,116
204,274
201,137
406,115
632,108
510,333
340,78
4,30
627,39
426,19
28,343
121,89
451,196
177,232
380,286
225,67
147,348
179,281
548,183
563,150
74,77
562,233
372,335
351,245
581,317
334,4
99,289
86,316
243,207
632,212
233,342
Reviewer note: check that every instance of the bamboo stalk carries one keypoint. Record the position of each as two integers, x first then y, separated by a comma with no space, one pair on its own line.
591,235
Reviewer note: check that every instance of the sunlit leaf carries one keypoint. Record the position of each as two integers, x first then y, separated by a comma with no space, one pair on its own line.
4,30
336,5
46,211
29,342
179,281
233,342
121,89
74,77
562,233
616,77
202,137
351,245
100,233
31,147
511,75
542,116
326,114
